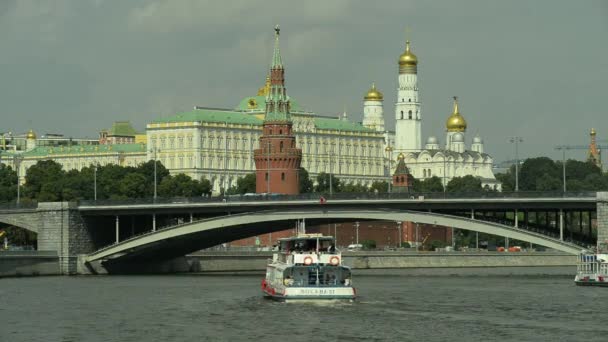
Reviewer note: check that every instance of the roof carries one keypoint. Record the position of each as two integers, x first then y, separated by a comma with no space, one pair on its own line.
340,125
237,117
401,168
84,149
213,115
450,153
122,128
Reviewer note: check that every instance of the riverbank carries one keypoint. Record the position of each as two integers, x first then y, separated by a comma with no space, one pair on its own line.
33,263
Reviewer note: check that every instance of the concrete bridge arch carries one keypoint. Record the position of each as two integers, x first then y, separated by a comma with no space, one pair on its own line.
26,219
187,238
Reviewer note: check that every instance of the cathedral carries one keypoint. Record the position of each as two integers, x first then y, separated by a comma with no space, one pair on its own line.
453,159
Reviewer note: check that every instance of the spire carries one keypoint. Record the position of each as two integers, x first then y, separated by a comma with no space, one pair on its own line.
276,55
455,105
277,101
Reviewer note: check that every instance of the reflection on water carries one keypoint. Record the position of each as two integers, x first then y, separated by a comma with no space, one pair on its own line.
231,308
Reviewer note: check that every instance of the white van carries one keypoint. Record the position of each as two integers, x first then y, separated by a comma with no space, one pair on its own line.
354,247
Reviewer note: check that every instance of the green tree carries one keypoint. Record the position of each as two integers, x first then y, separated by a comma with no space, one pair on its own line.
467,183
379,186
432,184
108,180
355,188
547,182
8,183
323,183
368,244
182,185
533,169
44,181
306,185
147,170
245,184
133,185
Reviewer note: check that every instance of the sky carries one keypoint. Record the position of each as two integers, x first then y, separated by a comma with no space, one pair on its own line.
533,69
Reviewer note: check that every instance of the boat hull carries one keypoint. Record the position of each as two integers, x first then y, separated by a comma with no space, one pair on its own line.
311,293
591,280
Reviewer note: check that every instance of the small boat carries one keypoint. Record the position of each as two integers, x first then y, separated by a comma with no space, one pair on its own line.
592,270
308,267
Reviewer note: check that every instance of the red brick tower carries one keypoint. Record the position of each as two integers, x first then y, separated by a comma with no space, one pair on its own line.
277,160
402,179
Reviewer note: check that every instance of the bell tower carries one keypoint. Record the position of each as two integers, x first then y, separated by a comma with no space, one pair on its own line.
277,160
408,133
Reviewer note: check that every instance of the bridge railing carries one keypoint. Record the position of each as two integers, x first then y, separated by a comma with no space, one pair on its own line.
342,196
21,205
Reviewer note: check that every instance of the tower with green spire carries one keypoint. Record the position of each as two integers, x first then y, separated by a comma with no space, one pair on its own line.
277,160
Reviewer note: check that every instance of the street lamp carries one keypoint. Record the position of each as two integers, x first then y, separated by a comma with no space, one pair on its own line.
516,140
95,182
329,159
155,150
17,162
389,151
563,149
357,232
399,230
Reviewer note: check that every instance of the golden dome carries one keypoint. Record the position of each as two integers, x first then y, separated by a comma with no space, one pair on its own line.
456,123
31,135
265,89
408,58
593,131
401,156
374,94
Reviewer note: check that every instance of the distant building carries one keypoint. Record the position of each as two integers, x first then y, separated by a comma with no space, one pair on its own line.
121,133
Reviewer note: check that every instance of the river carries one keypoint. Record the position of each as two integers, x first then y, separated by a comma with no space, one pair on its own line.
394,307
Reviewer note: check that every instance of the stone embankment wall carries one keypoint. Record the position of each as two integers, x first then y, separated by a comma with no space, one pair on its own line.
602,222
210,262
28,263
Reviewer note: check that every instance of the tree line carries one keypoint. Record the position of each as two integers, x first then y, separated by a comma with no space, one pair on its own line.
47,181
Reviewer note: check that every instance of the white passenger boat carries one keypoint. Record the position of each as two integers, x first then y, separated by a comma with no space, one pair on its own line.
592,270
308,267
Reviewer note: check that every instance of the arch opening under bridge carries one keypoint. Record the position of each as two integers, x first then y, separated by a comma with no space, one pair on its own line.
186,238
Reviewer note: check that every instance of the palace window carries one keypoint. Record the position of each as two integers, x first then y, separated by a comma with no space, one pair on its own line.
401,114
281,147
267,176
283,176
409,114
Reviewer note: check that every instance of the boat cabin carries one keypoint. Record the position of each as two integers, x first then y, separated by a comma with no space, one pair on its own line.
308,249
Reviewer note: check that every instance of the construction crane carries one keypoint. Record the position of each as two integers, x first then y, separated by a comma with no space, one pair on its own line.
565,148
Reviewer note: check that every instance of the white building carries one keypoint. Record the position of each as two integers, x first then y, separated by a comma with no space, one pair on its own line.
453,159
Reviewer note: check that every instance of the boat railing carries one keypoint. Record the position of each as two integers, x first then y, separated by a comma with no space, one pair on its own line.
588,264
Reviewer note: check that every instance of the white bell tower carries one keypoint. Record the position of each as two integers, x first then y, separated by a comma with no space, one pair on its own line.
408,132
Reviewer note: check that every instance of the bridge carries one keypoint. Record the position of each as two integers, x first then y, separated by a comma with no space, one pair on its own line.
121,233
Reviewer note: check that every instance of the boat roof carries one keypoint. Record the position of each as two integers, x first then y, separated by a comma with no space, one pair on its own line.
307,237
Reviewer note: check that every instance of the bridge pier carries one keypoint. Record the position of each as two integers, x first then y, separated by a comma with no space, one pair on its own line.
602,222
61,228
117,229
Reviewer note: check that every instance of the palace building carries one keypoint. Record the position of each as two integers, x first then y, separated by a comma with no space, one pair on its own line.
223,144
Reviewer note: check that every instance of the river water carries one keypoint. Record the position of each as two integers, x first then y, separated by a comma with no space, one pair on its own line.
395,307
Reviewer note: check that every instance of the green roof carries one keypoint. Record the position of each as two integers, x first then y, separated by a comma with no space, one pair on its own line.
258,104
218,116
340,125
122,128
80,149
232,117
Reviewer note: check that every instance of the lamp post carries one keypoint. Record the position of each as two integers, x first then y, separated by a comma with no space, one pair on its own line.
17,162
399,231
389,152
357,232
516,140
155,150
563,149
95,182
